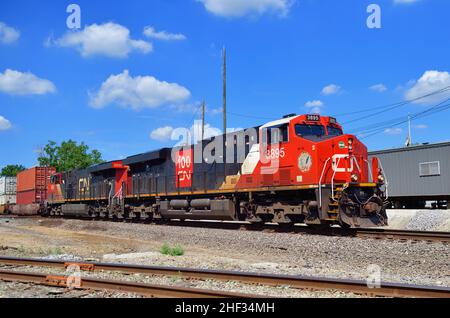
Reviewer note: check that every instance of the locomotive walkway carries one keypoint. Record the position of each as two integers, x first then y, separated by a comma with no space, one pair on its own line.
299,282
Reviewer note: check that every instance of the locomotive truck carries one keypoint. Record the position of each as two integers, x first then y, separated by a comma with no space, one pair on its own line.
298,169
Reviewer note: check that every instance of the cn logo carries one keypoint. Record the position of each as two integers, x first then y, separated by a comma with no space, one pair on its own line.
184,168
339,162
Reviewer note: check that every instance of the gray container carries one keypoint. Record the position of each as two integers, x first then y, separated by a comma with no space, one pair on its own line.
7,199
8,185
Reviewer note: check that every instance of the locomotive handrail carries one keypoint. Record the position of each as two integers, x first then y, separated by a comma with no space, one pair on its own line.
386,182
369,170
320,182
334,174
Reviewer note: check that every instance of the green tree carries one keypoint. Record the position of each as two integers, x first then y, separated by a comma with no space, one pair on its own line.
68,156
11,170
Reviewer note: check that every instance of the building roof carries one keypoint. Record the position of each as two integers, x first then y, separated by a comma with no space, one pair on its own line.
411,148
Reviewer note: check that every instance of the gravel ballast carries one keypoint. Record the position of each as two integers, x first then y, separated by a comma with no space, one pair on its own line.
419,263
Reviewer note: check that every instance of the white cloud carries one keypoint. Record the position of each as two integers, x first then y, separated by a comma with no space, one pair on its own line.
214,111
194,133
314,103
331,89
108,39
405,1
393,131
163,35
18,83
430,81
138,92
162,133
421,126
239,8
315,106
5,124
210,131
8,34
378,88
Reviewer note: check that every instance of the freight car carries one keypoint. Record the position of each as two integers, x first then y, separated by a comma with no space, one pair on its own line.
32,185
7,194
295,169
417,174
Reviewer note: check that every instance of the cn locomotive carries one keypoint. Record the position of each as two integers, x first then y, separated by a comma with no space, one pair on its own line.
298,169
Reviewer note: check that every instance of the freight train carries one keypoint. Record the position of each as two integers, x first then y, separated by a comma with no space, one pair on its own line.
298,169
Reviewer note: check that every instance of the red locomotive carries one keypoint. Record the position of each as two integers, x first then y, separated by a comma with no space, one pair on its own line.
296,169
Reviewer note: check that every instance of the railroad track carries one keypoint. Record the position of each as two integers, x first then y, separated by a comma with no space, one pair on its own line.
299,282
404,235
372,233
149,290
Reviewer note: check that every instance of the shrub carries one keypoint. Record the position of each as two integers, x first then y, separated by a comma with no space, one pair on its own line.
172,251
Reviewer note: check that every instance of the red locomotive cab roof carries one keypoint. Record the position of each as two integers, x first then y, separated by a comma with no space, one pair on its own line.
330,125
317,119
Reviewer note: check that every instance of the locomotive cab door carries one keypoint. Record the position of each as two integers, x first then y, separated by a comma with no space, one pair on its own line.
274,146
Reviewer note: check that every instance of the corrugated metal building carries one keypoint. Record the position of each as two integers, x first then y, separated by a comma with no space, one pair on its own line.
417,173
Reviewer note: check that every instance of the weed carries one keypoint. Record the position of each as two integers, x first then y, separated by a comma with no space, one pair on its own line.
172,251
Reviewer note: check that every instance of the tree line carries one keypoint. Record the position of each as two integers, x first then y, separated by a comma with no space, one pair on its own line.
68,155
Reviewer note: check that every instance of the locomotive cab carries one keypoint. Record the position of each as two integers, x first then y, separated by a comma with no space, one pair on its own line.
313,151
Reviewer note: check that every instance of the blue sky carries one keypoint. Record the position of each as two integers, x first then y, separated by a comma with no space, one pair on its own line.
122,88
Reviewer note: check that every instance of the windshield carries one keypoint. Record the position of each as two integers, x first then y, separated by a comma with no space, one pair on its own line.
333,131
310,130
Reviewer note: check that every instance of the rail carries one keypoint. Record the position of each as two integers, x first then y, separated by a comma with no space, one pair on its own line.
149,290
298,282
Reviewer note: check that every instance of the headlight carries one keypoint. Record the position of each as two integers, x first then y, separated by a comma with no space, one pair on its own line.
380,178
354,178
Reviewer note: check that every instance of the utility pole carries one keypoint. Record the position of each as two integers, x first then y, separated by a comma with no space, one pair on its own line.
224,112
224,90
203,120
409,140
409,129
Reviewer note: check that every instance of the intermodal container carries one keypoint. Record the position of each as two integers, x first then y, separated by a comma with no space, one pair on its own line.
7,186
7,199
25,209
36,178
31,196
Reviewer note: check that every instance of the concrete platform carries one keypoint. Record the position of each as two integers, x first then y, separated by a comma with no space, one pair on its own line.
420,220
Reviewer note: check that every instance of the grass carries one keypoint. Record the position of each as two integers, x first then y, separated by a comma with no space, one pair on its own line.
177,250
50,251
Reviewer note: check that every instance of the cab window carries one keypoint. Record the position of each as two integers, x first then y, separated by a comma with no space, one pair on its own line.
334,131
309,130
275,135
55,179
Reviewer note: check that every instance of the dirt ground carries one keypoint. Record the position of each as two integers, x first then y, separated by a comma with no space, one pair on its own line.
281,253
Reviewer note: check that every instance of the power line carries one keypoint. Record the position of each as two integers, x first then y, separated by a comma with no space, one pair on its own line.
378,109
428,112
396,105
248,116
